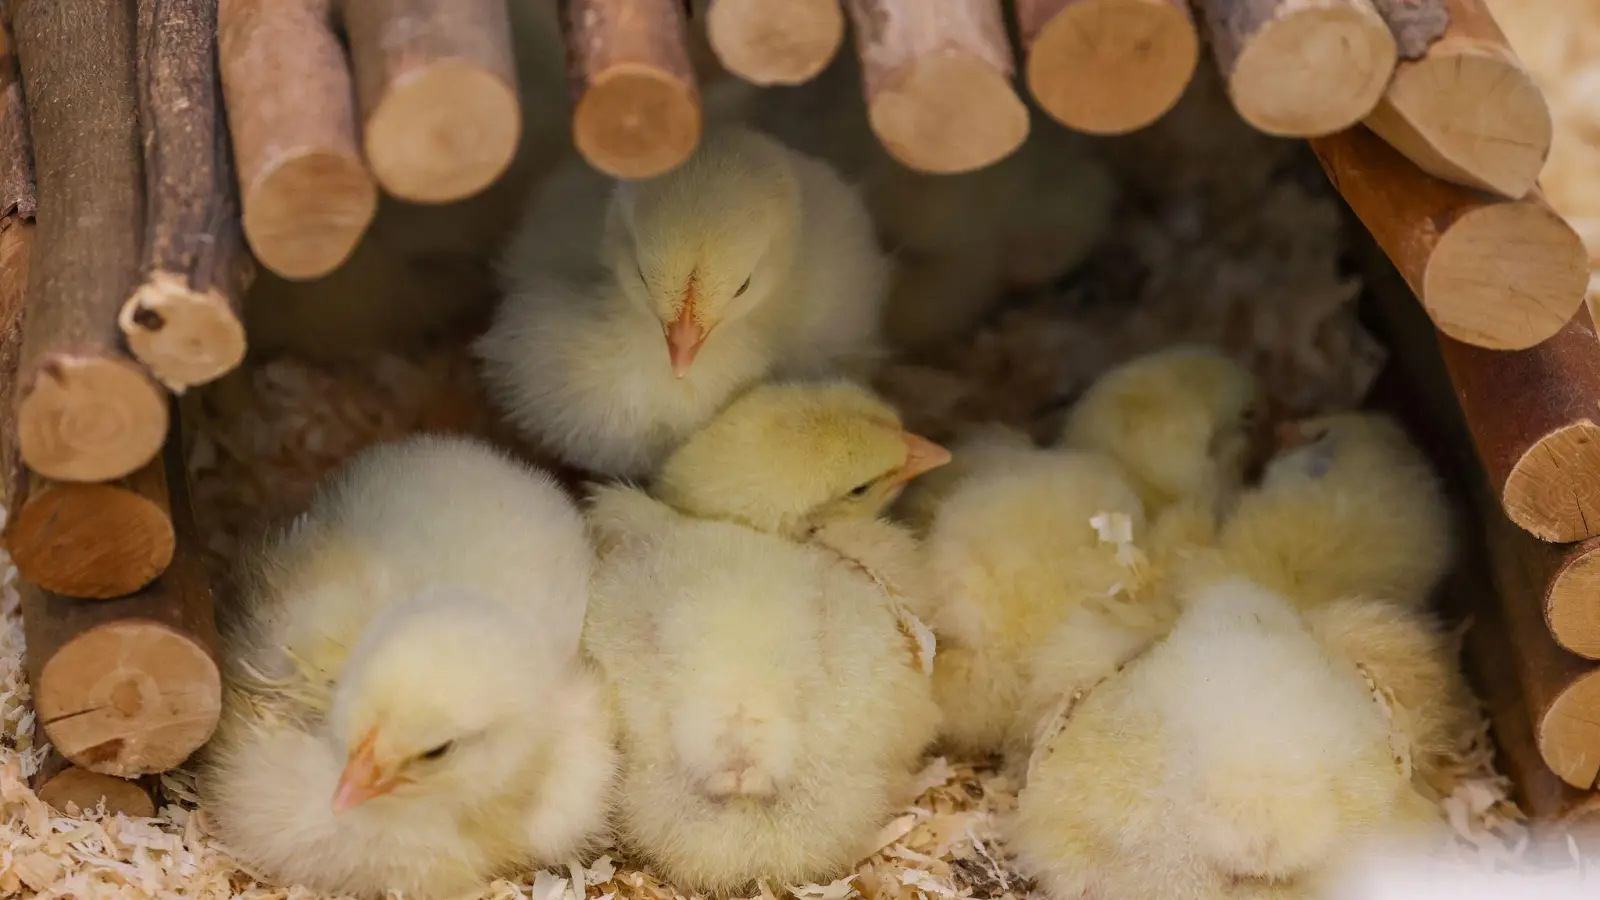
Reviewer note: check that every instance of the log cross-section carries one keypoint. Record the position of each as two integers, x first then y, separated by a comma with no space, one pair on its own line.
1301,68
1535,420
183,319
1108,66
438,91
1497,273
86,411
938,82
1467,110
304,190
770,42
635,104
1572,597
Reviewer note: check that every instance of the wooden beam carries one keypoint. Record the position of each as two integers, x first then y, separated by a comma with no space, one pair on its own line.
1501,274
183,318
438,90
304,191
1535,420
1108,66
86,410
938,78
1467,110
1301,68
773,42
635,105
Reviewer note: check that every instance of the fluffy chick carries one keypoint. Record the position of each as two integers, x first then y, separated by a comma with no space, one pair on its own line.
635,310
1349,508
773,708
1237,751
1032,597
406,710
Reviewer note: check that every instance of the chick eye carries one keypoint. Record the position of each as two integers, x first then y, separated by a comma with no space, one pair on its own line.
860,490
438,752
640,270
742,288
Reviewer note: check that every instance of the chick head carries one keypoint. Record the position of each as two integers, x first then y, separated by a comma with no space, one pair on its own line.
788,458
708,242
1185,423
438,704
1348,507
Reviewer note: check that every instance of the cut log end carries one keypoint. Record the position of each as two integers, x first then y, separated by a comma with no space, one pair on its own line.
1474,117
1113,66
1569,608
444,133
1553,490
1471,270
775,43
129,698
949,112
94,541
1313,72
89,418
1569,732
636,121
69,789
304,217
183,336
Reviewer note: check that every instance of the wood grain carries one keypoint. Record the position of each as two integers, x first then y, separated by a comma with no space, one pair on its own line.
1496,273
86,410
304,191
773,42
1301,68
1108,66
938,79
1468,110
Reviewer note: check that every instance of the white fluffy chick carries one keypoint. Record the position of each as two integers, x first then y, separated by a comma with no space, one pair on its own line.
1044,559
635,310
773,705
1238,751
406,708
1349,508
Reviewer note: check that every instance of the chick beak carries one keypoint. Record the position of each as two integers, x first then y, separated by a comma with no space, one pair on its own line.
1289,435
361,779
684,336
922,456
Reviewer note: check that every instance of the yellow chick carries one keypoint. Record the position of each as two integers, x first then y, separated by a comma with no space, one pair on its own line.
1349,508
406,707
1046,546
1236,750
634,310
773,694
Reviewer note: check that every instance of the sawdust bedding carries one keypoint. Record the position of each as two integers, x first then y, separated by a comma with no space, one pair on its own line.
1236,244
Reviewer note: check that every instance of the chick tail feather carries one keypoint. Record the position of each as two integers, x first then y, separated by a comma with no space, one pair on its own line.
734,732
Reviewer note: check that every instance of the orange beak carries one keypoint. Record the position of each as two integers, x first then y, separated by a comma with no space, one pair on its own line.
684,336
361,780
922,456
1289,435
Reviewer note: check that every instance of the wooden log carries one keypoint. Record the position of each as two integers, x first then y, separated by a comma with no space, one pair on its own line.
635,105
93,541
938,81
65,786
1468,111
129,686
770,42
1502,274
1572,596
438,90
183,319
86,411
304,191
1108,66
1301,68
1533,415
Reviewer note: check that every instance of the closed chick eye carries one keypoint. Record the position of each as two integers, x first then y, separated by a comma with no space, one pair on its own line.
640,270
860,490
437,752
742,288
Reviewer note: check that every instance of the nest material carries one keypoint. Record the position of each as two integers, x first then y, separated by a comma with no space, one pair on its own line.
1232,245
